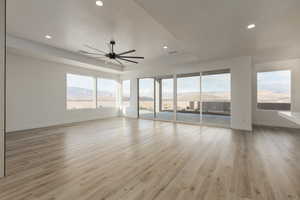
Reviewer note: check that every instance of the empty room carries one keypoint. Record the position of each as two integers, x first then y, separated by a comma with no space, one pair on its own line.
150,100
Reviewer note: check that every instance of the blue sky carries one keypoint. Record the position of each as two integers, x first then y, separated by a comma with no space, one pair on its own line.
210,83
107,85
146,86
126,88
79,81
88,82
275,81
216,83
188,84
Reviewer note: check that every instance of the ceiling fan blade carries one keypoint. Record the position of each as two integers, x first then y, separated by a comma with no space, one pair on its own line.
126,52
101,57
95,49
85,52
128,60
134,57
119,62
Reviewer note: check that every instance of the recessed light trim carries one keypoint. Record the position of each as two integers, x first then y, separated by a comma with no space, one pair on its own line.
165,47
251,26
48,37
99,3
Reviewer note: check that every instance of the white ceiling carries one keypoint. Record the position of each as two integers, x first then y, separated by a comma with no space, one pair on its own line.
217,29
197,29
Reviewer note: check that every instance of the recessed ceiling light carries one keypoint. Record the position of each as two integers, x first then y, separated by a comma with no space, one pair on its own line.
48,37
165,47
99,3
251,26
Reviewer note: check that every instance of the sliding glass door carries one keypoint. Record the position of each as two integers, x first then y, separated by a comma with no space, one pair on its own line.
146,98
216,97
195,98
188,98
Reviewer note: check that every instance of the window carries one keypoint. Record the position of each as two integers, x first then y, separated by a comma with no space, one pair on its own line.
274,90
80,92
126,93
107,90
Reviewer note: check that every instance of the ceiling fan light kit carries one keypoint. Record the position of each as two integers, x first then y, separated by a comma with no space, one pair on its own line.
118,57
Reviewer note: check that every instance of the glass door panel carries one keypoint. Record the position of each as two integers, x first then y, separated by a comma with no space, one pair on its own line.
188,98
165,98
125,96
216,97
146,98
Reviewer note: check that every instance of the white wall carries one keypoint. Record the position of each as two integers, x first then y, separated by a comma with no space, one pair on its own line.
2,84
131,111
241,96
271,118
36,91
241,76
36,94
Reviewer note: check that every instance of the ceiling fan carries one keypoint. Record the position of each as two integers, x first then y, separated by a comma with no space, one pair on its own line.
118,57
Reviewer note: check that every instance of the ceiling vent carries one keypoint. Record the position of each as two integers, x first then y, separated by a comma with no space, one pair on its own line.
173,52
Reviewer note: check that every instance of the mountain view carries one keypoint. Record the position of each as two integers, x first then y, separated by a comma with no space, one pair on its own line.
79,94
78,98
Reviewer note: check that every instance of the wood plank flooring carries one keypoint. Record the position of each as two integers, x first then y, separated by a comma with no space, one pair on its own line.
129,159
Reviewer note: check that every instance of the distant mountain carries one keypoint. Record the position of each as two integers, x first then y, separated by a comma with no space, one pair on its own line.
76,93
143,98
195,96
273,97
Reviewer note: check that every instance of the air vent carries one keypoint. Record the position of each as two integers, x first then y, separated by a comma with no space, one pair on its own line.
173,52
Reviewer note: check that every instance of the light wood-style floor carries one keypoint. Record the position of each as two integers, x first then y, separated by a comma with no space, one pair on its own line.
131,159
